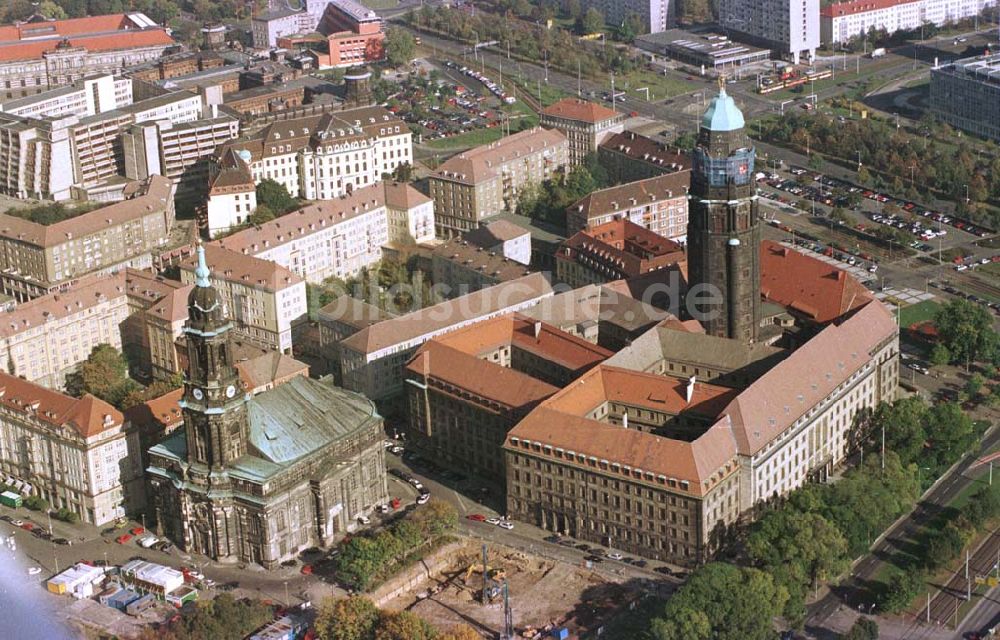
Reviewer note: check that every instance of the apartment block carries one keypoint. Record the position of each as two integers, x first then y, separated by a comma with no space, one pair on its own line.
232,195
36,158
36,259
629,156
585,124
611,460
46,338
324,156
504,238
411,214
599,314
328,238
483,182
39,54
71,452
616,250
265,300
354,35
841,21
372,359
789,27
179,151
277,22
157,312
464,267
465,390
966,95
86,97
656,15
658,204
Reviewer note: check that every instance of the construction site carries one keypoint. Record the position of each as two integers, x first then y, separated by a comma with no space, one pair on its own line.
505,593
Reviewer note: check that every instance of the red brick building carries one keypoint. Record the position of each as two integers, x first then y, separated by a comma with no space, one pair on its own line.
354,35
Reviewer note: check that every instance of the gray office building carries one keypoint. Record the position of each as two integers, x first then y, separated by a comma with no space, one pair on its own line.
656,15
966,95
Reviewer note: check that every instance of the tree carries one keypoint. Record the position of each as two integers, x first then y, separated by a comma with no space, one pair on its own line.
137,396
403,625
949,430
904,424
966,329
104,374
461,632
863,629
436,517
798,549
260,215
940,355
51,10
592,21
36,503
275,197
901,587
222,618
403,172
739,603
974,385
352,618
399,47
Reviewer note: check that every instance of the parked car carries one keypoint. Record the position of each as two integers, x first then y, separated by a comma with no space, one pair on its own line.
493,520
123,538
506,524
613,555
365,520
34,571
423,498
476,517
61,541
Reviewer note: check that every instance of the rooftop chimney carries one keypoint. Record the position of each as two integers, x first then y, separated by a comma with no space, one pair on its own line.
625,419
538,329
690,389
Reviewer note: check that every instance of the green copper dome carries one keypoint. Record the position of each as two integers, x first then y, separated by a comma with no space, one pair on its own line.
722,114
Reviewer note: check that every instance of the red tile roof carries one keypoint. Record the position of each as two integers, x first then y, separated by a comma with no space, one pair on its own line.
246,270
701,463
626,248
839,9
582,110
167,409
33,50
551,343
807,285
488,380
799,382
88,415
87,293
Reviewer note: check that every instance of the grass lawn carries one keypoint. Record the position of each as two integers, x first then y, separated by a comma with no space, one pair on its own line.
468,139
660,86
380,4
920,312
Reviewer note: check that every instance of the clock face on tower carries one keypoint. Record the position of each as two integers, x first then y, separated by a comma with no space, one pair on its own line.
230,391
198,395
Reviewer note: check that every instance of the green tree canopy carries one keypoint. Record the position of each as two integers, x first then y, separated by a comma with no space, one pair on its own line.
863,629
592,21
352,618
399,47
966,329
739,603
104,374
275,197
903,421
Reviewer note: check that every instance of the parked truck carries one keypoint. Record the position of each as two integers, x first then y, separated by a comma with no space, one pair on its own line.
10,499
877,53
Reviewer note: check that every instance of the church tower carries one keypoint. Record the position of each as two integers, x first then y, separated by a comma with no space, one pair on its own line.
724,226
214,403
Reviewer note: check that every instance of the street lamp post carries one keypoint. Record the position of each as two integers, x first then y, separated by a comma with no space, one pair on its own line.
286,593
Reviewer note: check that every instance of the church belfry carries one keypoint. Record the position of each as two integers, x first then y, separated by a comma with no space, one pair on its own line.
724,231
214,403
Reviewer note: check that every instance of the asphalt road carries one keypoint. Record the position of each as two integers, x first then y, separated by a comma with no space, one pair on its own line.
850,592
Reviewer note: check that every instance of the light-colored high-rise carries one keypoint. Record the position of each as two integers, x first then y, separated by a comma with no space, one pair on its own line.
790,27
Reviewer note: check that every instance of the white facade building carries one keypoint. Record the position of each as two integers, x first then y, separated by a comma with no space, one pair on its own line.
71,452
791,27
86,97
841,21
46,338
264,299
325,156
328,238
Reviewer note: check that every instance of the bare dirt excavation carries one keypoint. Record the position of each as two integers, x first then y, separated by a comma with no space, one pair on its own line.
543,594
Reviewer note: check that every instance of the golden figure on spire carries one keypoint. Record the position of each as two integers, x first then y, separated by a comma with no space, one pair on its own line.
722,82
